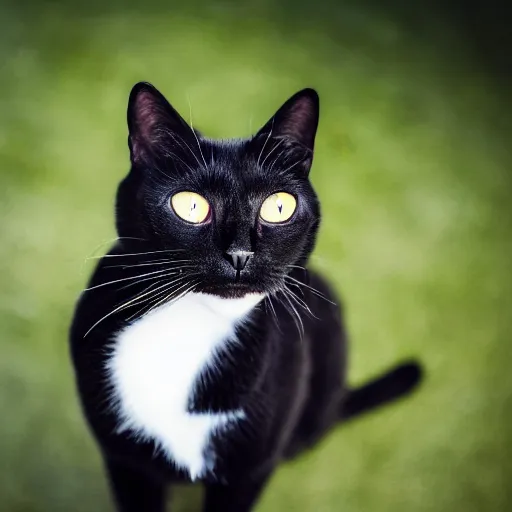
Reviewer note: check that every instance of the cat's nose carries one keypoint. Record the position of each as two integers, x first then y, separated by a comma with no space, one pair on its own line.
238,259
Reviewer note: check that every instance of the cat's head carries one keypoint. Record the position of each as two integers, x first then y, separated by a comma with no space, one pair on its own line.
237,215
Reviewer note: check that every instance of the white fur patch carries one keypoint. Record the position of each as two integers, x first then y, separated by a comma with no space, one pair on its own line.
154,365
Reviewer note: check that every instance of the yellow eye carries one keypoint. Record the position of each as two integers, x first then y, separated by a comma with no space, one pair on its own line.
190,206
278,207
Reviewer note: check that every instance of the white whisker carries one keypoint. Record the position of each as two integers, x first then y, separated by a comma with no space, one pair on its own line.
174,156
195,135
133,301
159,276
115,310
301,302
148,301
125,279
271,151
271,304
170,295
151,263
264,145
116,239
155,296
295,315
174,136
313,290
271,168
298,266
291,166
132,254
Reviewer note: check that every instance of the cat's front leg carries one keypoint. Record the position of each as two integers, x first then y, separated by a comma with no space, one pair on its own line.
237,497
133,490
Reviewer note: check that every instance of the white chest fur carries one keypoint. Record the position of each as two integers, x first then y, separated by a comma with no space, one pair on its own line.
154,364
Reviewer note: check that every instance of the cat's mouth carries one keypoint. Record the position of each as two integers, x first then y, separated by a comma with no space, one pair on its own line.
229,280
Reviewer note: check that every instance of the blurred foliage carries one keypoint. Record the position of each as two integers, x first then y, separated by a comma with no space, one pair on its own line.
413,170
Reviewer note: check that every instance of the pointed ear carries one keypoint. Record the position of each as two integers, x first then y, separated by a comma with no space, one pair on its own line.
151,121
297,119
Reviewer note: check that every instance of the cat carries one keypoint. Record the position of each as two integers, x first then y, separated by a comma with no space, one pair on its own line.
204,349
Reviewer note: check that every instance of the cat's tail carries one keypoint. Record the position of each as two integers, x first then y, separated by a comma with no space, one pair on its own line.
394,384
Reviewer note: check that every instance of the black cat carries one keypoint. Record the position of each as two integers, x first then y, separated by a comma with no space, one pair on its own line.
204,349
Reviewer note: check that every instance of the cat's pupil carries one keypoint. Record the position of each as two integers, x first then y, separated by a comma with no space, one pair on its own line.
279,206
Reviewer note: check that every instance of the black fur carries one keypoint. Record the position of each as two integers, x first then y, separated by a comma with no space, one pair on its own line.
288,371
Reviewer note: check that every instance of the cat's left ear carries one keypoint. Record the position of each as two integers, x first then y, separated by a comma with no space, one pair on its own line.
151,121
292,128
296,120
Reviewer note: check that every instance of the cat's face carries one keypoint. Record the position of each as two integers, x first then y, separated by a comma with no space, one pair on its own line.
236,215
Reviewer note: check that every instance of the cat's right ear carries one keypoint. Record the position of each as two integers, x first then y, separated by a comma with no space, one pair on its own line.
151,122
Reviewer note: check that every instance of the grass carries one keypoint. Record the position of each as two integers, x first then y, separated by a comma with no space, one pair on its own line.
413,171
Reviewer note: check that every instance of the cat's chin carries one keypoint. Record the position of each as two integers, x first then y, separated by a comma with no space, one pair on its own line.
232,291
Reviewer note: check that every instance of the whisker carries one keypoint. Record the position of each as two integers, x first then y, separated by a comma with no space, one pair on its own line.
155,296
313,290
174,156
182,294
102,244
299,267
178,281
169,295
154,293
273,311
174,135
291,167
160,276
147,302
125,279
117,238
132,302
295,316
271,151
301,302
266,140
115,310
159,169
151,263
276,159
198,281
132,254
195,134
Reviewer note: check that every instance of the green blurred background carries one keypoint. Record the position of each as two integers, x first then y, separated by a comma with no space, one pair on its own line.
413,168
